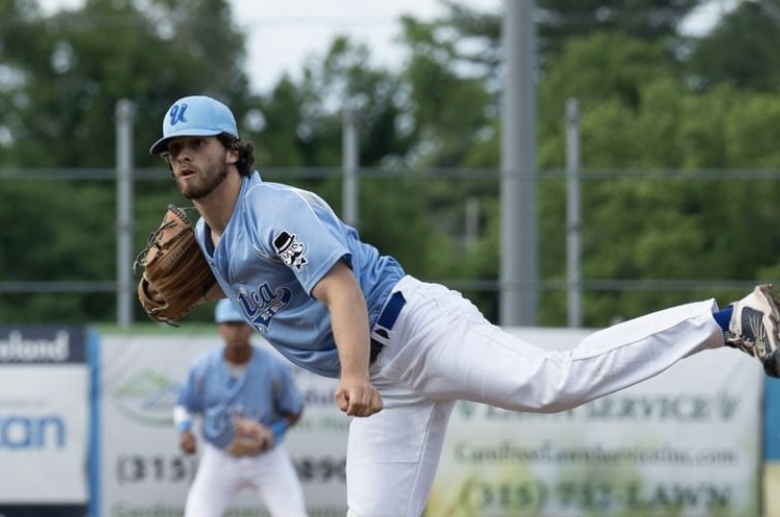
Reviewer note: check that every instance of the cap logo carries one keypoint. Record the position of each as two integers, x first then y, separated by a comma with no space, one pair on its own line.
177,114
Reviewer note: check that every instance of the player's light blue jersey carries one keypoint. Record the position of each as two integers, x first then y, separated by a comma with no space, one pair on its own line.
263,393
279,243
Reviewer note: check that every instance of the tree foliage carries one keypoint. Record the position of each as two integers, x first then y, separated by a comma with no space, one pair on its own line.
657,108
644,20
740,50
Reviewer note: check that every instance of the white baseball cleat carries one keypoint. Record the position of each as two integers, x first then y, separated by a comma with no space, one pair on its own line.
755,327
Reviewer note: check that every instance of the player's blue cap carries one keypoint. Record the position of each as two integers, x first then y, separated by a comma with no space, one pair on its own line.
196,115
227,312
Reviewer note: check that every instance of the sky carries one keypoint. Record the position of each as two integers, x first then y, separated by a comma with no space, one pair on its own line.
282,34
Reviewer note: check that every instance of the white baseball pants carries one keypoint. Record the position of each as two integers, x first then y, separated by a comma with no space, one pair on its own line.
442,349
221,476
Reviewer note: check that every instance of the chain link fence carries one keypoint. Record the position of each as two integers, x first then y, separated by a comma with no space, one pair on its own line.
662,236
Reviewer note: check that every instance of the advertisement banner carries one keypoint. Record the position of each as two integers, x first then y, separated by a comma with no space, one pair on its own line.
685,443
772,420
44,419
771,480
142,471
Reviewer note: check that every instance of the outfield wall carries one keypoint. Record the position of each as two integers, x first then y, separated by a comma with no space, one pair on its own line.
687,443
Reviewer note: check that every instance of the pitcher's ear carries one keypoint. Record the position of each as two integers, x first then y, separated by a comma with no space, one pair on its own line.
232,156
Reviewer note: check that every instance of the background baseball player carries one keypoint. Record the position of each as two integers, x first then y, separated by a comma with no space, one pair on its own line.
247,400
403,350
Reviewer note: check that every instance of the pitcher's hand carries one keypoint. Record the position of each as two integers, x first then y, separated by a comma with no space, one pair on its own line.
356,396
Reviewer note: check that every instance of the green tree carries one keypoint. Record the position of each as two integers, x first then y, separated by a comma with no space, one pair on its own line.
644,216
66,74
303,121
649,212
740,50
645,20
74,66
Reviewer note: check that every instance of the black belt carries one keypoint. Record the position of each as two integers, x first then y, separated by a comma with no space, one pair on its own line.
385,323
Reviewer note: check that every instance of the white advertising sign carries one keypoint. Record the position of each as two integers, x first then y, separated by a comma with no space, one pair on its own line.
142,470
44,419
685,443
43,434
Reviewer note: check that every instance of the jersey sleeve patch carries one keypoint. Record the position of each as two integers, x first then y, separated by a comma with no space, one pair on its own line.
290,250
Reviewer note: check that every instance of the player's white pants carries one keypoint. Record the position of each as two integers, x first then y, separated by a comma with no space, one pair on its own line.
442,349
221,476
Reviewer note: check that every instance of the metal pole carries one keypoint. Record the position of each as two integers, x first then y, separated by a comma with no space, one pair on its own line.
519,247
125,114
350,150
573,217
472,224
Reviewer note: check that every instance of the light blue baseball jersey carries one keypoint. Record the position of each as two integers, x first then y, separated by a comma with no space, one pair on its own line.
263,393
279,242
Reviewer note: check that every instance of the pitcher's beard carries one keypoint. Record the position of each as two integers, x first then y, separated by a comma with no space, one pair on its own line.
200,189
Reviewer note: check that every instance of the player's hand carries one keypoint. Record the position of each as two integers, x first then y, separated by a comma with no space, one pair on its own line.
356,396
249,430
188,443
251,438
154,294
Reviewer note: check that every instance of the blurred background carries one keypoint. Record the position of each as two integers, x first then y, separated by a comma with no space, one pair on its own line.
563,163
676,149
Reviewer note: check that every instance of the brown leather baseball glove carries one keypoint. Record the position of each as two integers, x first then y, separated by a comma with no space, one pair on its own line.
251,438
176,276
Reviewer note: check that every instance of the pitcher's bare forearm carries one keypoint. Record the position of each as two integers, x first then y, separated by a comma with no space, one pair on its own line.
340,292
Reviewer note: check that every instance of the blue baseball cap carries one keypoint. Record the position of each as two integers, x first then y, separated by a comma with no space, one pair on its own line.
196,115
227,312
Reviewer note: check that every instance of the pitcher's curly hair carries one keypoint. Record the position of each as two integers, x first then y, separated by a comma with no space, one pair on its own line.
246,152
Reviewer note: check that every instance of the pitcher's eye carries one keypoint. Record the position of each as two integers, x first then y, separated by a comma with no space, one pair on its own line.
174,149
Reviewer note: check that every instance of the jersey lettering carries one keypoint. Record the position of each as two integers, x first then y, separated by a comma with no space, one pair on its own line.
262,304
